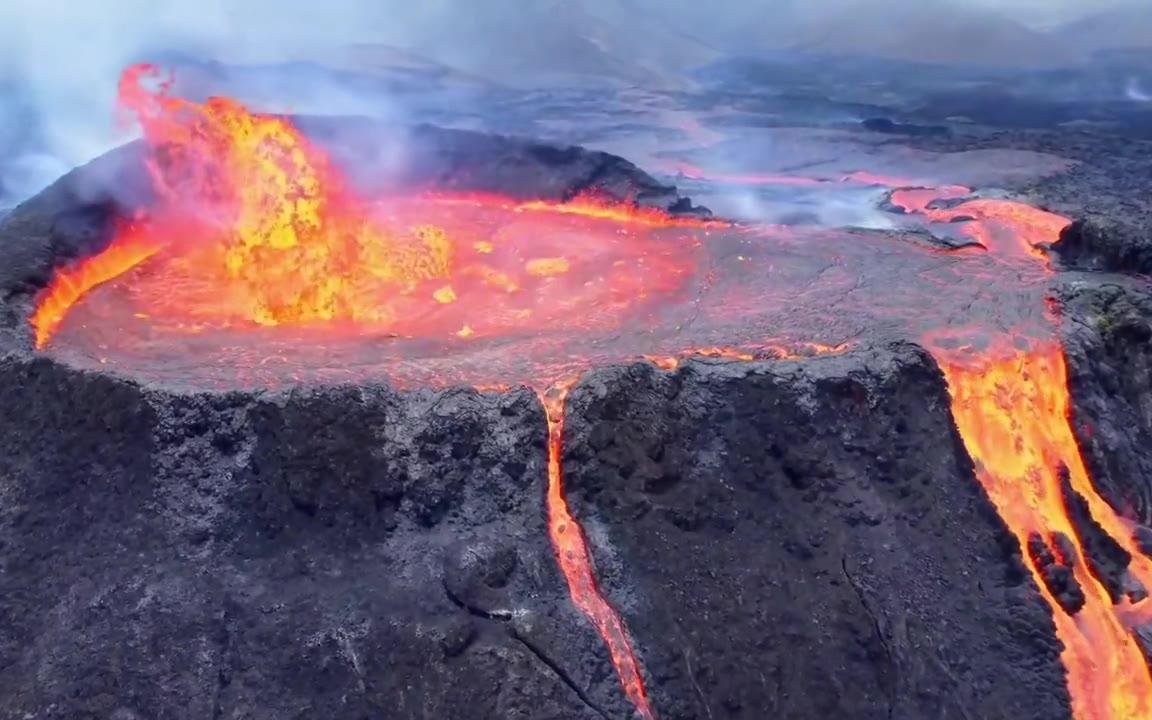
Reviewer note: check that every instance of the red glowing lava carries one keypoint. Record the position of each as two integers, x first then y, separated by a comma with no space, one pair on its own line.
576,562
258,228
1011,407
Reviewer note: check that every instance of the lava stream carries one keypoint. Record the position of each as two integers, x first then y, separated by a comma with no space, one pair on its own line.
1011,408
576,562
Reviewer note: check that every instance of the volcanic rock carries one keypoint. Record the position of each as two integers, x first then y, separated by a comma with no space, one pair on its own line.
1057,575
819,517
891,127
437,158
1097,243
1107,326
283,555
355,550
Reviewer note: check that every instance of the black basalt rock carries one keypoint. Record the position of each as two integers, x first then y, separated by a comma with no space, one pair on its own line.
806,540
191,555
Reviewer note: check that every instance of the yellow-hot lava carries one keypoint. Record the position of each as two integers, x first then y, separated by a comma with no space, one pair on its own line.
267,212
1011,407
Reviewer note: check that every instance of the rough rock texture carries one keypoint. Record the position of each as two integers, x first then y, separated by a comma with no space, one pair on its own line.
803,539
806,540
1107,329
342,553
1095,243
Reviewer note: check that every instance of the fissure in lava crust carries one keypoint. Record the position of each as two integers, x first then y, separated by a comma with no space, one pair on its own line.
257,253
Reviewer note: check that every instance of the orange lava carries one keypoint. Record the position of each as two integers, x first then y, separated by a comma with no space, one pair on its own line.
130,248
267,214
762,351
587,205
257,227
576,562
1011,407
996,224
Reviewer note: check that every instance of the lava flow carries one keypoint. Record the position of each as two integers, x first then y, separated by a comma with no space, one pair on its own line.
576,562
1012,408
131,247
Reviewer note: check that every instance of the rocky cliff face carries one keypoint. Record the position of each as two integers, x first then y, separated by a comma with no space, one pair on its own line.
800,537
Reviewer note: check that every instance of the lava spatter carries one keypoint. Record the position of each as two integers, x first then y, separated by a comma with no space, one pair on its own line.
576,562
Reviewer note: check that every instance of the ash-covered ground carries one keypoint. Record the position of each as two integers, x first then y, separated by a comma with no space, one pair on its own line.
800,538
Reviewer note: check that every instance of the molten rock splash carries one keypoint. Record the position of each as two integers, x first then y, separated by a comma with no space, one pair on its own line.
273,218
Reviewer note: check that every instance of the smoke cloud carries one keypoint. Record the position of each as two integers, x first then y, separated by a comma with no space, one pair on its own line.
59,59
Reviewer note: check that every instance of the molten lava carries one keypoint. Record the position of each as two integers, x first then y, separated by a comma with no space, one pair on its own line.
270,215
132,246
1011,407
256,227
576,562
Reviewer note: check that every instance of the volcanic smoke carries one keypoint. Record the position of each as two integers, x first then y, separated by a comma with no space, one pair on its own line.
257,238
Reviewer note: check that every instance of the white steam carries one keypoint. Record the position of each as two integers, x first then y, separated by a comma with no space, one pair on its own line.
60,59
1135,92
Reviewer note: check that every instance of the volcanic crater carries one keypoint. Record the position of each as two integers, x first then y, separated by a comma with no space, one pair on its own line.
316,417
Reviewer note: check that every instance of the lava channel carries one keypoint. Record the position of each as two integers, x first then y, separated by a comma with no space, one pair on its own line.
1012,406
576,562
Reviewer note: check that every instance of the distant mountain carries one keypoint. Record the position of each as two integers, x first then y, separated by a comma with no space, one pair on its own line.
560,41
1125,28
929,31
947,32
